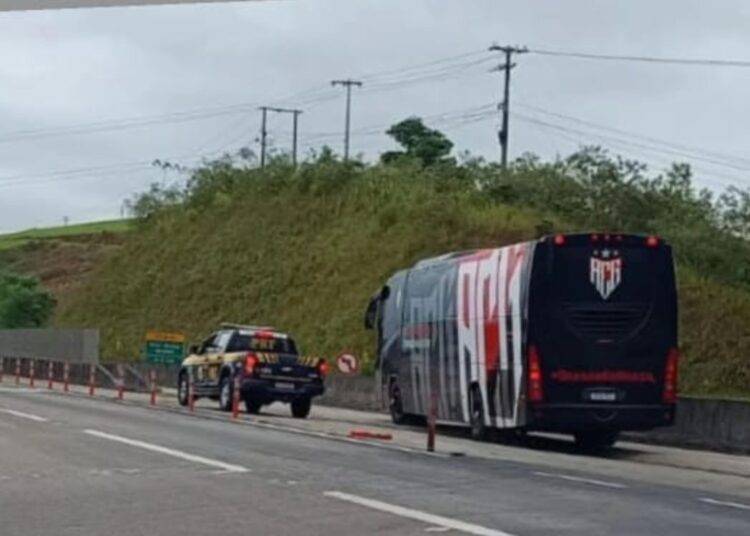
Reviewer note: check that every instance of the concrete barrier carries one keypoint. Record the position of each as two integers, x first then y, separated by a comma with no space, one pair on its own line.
72,345
354,392
705,423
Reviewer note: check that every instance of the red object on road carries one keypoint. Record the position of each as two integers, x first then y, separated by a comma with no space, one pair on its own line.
153,387
236,398
32,373
50,375
66,376
92,380
366,434
120,382
18,371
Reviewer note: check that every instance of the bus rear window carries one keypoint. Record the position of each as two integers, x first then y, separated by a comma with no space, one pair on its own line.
249,343
606,274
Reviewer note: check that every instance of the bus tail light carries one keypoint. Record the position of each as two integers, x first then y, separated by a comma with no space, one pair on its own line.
652,241
559,240
670,377
251,361
535,388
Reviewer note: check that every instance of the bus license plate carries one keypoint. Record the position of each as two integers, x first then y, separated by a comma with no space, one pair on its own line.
603,396
285,386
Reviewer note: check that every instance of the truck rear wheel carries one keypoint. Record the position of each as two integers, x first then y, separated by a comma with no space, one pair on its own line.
301,407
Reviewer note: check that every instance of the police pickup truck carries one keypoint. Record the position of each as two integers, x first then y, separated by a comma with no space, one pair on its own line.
267,363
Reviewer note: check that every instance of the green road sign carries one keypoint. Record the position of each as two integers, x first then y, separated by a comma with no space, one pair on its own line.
165,348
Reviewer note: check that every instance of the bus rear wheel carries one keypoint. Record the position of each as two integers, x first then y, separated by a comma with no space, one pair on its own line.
596,441
479,430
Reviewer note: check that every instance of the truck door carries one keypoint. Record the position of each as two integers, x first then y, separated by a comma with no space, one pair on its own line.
215,360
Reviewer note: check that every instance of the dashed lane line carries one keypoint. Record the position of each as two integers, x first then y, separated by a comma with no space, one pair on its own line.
729,504
417,515
571,478
226,467
22,415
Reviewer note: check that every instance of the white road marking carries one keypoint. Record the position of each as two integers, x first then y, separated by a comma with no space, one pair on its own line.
168,451
571,478
437,529
23,415
739,506
430,519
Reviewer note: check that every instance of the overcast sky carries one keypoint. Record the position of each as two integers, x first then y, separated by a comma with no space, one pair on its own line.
64,70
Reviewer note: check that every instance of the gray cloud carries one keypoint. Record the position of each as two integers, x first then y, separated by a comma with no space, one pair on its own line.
63,68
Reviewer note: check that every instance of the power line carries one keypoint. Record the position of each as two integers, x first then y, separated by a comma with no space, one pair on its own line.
735,163
702,62
484,110
651,161
126,123
651,139
610,140
312,95
419,66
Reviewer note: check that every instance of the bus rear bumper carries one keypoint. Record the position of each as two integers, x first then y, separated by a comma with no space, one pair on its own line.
580,417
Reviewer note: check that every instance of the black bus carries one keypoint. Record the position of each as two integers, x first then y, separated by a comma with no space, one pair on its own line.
572,334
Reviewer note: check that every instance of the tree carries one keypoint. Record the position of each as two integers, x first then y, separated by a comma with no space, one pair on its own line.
418,141
24,303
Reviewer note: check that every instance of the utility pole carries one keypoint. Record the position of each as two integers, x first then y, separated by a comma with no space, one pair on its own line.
295,121
264,131
263,134
503,135
348,83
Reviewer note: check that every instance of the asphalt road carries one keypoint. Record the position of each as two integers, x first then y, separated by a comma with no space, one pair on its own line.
71,465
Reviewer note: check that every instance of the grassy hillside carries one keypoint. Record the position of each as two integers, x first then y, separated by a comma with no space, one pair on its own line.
306,262
8,241
304,251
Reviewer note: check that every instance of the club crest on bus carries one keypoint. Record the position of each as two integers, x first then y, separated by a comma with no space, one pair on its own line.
606,271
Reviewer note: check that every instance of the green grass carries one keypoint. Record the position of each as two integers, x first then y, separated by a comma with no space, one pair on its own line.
306,256
303,261
8,241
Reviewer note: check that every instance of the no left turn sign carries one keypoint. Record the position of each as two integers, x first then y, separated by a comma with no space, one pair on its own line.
347,364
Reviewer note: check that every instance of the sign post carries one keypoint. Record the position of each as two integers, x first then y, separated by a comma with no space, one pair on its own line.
163,348
152,379
50,374
120,381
